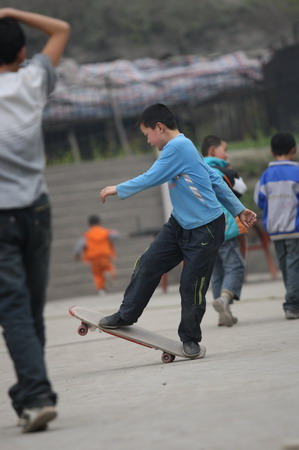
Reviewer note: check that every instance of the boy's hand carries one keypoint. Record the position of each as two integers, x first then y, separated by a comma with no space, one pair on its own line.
108,190
248,218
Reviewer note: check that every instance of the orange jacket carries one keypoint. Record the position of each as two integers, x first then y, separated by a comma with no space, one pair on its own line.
98,244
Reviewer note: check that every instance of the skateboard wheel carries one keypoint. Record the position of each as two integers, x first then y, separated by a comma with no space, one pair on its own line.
83,329
167,358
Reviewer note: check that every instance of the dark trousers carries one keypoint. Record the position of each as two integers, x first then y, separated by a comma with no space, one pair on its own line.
25,237
197,248
287,252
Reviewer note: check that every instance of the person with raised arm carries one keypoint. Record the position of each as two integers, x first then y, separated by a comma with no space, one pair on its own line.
25,228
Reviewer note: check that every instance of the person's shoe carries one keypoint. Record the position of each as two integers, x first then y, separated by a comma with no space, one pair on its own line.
36,419
191,349
114,321
235,320
21,422
221,305
290,315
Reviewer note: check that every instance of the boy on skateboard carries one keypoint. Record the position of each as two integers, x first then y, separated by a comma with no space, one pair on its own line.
193,233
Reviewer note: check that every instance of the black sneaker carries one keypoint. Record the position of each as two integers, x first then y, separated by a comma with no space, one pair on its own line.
114,321
191,349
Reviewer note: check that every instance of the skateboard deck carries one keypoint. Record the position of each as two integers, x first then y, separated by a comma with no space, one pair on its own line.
170,348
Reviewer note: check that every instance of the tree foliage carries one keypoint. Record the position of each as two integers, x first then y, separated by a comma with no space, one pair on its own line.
104,30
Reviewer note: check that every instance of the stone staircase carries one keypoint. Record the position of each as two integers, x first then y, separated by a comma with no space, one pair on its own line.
74,193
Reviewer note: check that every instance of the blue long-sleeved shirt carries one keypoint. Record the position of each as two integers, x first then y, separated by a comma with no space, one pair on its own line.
195,189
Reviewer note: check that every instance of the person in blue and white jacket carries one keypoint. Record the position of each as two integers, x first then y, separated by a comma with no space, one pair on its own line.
277,194
193,233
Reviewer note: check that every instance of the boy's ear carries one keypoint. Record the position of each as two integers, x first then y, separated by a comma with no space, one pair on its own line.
161,126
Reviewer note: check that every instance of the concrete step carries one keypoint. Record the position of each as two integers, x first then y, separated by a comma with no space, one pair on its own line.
146,212
65,263
99,171
82,284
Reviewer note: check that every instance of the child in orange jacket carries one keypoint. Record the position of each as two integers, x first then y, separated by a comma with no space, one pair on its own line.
96,248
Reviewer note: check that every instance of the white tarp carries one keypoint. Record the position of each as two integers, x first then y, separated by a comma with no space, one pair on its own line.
84,91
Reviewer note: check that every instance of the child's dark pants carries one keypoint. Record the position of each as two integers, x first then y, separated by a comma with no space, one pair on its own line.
25,237
197,248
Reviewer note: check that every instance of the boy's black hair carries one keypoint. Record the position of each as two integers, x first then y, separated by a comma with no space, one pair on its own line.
210,141
282,143
12,40
157,113
94,220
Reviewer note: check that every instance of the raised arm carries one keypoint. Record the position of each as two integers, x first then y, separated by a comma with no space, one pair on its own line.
57,30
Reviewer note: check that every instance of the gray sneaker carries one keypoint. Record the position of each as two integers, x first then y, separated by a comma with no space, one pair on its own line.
290,315
235,320
221,305
36,419
21,423
191,349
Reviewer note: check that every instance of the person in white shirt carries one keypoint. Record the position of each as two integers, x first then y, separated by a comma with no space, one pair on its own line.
25,229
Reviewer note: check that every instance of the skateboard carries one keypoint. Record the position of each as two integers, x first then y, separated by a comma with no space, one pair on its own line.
170,348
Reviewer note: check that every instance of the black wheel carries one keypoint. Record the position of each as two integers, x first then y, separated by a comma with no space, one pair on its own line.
167,357
83,329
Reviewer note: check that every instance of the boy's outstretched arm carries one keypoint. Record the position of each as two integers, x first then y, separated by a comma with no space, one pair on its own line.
57,30
247,217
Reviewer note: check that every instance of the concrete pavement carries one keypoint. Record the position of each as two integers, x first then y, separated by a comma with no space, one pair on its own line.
118,395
